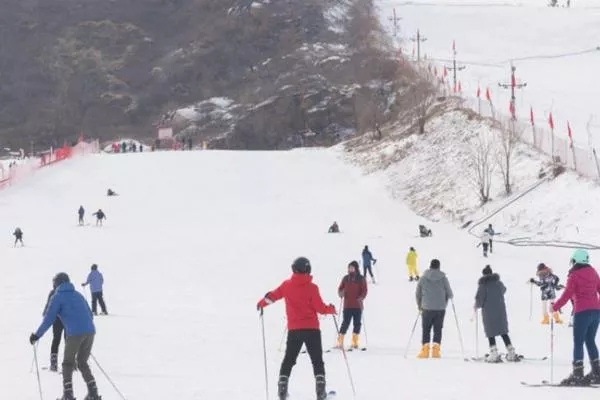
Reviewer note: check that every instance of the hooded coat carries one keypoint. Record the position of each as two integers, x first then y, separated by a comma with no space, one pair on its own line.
490,298
433,290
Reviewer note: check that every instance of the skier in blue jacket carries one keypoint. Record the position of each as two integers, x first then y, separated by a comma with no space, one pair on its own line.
368,261
74,312
96,281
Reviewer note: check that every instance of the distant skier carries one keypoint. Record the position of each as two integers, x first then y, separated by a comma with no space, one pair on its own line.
485,242
411,263
490,231
18,234
70,307
111,193
368,261
96,282
353,289
490,298
583,288
549,284
303,303
57,332
433,293
81,214
124,147
334,228
424,231
100,217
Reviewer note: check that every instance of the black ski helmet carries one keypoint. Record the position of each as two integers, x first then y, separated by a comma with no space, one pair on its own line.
94,267
301,265
59,279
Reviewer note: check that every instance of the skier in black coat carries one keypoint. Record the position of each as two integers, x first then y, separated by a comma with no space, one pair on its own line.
100,217
18,233
81,213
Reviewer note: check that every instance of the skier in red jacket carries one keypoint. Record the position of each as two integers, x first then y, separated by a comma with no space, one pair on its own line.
353,289
302,304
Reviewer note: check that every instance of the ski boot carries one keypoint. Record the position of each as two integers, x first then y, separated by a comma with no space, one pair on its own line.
410,279
512,355
594,376
546,319
493,357
576,378
320,387
54,362
435,351
557,319
355,338
340,342
67,391
417,278
282,387
424,351
67,396
92,391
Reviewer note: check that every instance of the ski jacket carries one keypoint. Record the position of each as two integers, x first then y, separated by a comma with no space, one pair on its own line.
81,211
490,298
367,258
583,288
353,289
490,231
302,302
548,283
433,290
99,215
411,258
72,309
18,233
485,237
95,280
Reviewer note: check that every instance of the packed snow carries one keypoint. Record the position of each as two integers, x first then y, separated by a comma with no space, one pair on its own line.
195,239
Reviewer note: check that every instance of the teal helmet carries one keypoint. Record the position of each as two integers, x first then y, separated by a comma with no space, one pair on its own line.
580,256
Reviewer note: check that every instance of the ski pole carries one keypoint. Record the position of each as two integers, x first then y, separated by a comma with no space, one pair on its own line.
552,350
364,326
108,377
280,349
476,334
412,333
264,341
37,370
337,331
345,360
530,301
462,346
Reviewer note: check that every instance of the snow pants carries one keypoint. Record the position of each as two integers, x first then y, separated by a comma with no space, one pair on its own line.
412,271
77,349
491,246
585,327
485,248
311,338
367,268
505,338
432,319
98,297
354,315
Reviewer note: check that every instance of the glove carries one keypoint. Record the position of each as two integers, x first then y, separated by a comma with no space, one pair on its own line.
83,284
265,301
532,280
560,287
331,309
33,338
374,261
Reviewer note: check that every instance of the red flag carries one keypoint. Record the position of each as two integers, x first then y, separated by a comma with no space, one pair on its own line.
551,121
459,87
511,108
488,95
478,92
570,133
513,81
445,71
531,116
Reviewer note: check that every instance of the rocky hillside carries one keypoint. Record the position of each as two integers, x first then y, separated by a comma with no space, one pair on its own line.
238,73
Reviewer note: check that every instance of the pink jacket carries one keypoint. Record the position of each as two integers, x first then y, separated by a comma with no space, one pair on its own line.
583,287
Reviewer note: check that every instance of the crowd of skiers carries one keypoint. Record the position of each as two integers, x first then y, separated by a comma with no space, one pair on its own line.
433,294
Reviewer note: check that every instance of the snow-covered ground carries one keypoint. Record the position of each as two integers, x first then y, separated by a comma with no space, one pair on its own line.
556,52
195,239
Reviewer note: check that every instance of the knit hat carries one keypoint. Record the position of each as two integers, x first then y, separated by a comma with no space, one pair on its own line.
412,249
487,270
541,267
94,267
435,264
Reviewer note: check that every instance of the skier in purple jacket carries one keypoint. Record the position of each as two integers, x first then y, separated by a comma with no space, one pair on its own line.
96,282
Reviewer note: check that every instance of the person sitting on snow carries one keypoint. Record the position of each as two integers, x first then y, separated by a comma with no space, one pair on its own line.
424,231
334,228
111,192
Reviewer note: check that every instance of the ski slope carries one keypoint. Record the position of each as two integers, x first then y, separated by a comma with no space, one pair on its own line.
556,52
196,238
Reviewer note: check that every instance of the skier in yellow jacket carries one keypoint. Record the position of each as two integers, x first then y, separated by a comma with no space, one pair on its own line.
411,262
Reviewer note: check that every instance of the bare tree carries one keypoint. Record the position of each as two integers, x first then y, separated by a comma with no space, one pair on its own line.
481,157
424,96
510,136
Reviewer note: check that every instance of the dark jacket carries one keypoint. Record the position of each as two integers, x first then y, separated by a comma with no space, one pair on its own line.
367,257
99,215
81,211
353,289
490,298
18,234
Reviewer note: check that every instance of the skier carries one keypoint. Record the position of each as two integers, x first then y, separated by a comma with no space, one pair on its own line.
334,228
411,262
100,217
433,293
368,261
490,298
81,213
583,287
353,289
96,282
424,231
111,193
548,283
490,231
71,308
18,233
303,303
485,242
57,332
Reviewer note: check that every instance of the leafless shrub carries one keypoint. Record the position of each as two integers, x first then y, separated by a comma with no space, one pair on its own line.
509,138
481,158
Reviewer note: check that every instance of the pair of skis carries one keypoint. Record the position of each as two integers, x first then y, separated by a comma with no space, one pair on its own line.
549,384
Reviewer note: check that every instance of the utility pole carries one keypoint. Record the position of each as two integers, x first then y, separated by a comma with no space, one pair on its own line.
512,86
419,39
395,19
455,68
